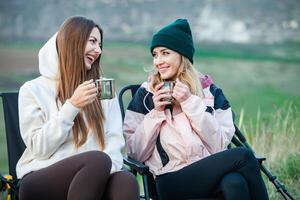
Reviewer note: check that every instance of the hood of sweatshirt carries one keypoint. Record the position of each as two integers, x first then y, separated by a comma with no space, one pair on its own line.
48,59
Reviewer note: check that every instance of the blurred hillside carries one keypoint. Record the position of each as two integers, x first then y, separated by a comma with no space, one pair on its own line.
239,21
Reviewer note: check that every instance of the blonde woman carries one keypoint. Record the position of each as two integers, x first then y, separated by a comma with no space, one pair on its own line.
73,140
182,131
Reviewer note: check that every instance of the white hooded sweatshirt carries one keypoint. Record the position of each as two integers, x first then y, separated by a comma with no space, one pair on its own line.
47,129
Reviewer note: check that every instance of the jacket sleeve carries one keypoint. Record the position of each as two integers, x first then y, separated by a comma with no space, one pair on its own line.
43,135
213,125
114,139
141,127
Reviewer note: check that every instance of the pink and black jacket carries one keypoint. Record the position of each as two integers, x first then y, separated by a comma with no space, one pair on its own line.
167,142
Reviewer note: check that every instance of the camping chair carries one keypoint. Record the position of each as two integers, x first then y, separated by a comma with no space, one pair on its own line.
238,140
15,144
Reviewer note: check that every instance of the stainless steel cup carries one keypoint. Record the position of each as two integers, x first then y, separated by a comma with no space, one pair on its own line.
106,88
169,85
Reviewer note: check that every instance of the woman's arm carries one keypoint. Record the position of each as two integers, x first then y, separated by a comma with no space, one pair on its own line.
141,127
43,135
214,126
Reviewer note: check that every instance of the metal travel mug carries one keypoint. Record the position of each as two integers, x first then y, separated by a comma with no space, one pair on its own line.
106,88
168,85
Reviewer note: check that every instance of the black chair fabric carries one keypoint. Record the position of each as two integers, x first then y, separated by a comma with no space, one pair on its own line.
15,144
132,89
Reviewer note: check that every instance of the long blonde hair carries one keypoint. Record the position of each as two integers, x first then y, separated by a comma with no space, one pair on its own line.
187,74
71,40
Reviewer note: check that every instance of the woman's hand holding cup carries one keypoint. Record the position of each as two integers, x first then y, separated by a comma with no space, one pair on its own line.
181,91
84,94
161,96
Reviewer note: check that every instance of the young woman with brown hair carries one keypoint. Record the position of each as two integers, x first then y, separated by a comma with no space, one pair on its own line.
73,140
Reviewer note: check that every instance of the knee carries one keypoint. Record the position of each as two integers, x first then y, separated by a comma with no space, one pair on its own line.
97,160
233,180
132,186
246,154
234,186
129,180
122,185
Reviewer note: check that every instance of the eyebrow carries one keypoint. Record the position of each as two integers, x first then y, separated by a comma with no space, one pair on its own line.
161,50
93,37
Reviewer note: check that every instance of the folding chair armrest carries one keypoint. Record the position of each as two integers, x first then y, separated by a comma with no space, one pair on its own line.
136,165
260,159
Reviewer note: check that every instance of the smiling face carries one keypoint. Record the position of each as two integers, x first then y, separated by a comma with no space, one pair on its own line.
167,62
92,48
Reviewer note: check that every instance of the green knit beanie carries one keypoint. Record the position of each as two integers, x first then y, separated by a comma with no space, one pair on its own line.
176,36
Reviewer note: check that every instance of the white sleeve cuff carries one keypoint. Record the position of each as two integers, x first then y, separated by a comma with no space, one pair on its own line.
68,111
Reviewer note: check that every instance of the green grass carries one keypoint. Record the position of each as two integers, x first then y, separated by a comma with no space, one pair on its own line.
288,52
277,138
20,45
260,81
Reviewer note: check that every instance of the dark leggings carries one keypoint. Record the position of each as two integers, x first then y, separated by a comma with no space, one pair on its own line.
233,173
85,176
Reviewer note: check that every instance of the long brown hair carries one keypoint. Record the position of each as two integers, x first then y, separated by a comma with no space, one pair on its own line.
187,74
71,40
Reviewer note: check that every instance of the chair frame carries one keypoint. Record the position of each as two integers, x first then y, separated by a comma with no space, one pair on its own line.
15,144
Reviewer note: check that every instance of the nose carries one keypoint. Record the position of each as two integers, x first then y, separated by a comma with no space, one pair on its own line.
157,60
98,49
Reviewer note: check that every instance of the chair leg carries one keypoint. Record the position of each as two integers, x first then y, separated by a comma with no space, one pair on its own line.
146,189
